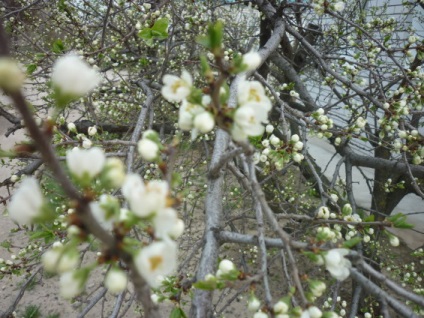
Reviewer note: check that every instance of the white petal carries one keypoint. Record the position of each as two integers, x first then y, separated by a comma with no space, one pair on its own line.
74,76
26,203
156,260
164,222
132,182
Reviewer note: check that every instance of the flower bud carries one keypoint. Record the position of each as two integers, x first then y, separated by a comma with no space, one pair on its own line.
92,131
148,149
116,280
11,77
252,60
394,241
269,128
280,307
72,127
204,122
254,304
226,266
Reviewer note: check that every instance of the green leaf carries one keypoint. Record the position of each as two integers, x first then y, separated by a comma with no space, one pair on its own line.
6,244
7,153
145,34
58,47
213,40
31,68
215,35
161,26
352,242
399,221
159,31
204,41
205,285
369,218
177,313
204,65
195,96
48,236
61,5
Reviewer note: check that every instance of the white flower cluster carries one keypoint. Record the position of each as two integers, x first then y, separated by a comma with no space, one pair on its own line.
11,76
323,122
148,147
275,149
25,206
249,117
191,116
320,6
407,142
64,260
337,264
252,111
151,200
85,163
148,201
74,77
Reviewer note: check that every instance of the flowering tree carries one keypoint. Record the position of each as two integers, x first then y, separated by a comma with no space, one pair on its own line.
239,86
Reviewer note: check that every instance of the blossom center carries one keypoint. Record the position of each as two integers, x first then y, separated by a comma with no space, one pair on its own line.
155,262
176,86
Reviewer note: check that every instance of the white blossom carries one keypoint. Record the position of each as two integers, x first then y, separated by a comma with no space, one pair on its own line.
26,203
148,149
85,162
115,171
252,60
295,138
280,307
92,130
248,121
11,76
334,197
275,141
116,280
298,146
14,178
100,215
177,230
145,199
70,285
72,76
164,222
260,314
314,312
186,115
226,266
67,261
269,128
50,259
337,264
176,88
87,143
298,157
253,304
317,288
253,92
339,6
72,127
361,122
156,260
204,122
394,241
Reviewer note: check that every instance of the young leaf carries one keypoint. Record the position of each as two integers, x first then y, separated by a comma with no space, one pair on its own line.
352,242
177,313
58,47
